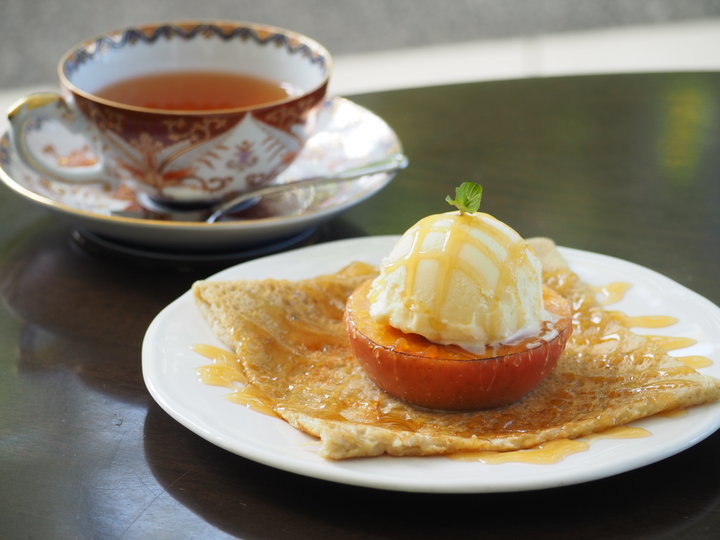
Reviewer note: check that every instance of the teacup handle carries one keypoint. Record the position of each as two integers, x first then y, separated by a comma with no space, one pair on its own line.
44,106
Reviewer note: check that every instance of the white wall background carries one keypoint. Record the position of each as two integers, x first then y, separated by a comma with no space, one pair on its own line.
35,33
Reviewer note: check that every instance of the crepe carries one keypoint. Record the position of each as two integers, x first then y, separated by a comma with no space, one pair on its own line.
290,341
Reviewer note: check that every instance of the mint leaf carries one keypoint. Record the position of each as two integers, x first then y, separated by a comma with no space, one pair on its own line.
467,197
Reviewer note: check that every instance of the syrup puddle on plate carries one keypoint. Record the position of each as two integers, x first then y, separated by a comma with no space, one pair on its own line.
226,371
551,451
612,293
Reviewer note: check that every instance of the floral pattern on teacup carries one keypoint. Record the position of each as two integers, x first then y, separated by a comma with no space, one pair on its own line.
196,155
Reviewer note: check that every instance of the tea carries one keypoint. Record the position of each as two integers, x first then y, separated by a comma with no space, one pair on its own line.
194,91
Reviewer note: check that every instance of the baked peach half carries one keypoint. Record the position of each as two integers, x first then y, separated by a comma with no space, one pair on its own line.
448,377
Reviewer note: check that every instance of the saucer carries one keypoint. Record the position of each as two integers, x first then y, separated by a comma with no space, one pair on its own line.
187,259
347,136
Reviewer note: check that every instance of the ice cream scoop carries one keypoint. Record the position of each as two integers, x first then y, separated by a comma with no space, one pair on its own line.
460,278
458,317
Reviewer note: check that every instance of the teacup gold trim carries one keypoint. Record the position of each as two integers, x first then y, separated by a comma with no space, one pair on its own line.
223,29
33,101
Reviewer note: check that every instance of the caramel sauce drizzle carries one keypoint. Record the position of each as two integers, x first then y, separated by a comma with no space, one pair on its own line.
645,321
252,399
671,343
551,451
612,292
616,291
226,371
543,454
673,413
695,361
500,252
620,432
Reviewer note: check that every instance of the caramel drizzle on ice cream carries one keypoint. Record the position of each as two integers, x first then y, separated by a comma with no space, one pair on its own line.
467,279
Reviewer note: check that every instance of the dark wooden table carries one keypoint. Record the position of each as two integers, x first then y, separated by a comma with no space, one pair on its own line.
625,165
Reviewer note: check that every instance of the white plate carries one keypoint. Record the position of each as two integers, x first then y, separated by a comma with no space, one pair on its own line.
169,367
348,136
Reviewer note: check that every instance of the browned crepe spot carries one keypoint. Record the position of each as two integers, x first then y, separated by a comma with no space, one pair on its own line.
290,339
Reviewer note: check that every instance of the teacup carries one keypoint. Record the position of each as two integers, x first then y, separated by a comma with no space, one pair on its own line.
189,113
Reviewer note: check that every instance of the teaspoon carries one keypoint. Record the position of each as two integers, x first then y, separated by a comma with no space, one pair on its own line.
395,162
